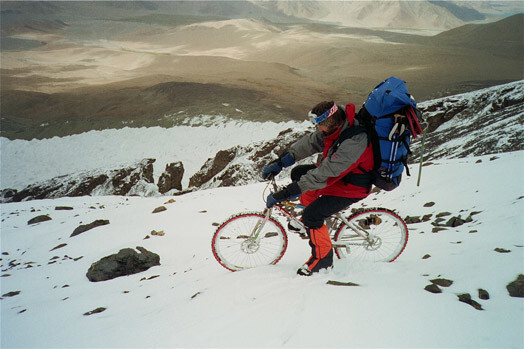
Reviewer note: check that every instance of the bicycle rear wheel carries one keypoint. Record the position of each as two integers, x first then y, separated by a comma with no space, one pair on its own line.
387,236
235,249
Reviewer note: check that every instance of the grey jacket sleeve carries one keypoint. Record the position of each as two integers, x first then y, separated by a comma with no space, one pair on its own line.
335,164
308,145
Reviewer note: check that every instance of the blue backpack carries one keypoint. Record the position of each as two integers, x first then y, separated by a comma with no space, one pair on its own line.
389,117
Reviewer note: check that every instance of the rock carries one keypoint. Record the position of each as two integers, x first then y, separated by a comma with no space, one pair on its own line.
39,219
443,214
426,256
122,181
83,228
63,208
340,283
159,209
57,247
95,311
429,204
483,294
126,262
157,233
516,288
442,282
437,229
426,217
433,288
212,167
455,222
412,220
171,178
11,294
466,298
502,250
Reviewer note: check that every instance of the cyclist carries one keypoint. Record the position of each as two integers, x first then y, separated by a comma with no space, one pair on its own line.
324,188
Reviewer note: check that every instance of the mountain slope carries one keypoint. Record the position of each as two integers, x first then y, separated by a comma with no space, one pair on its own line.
505,36
191,301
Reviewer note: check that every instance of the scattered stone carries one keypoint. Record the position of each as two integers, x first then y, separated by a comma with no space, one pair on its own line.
57,247
437,222
412,220
159,209
157,233
340,283
196,294
426,217
443,214
479,161
85,227
455,222
426,256
22,311
95,311
502,250
170,201
483,294
493,158
126,262
11,294
466,298
63,208
39,219
516,288
215,224
433,288
437,229
442,282
429,204
473,231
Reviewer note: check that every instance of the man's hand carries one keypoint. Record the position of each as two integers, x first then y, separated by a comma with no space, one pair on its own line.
276,166
290,192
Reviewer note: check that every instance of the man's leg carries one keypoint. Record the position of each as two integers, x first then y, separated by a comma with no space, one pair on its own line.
313,218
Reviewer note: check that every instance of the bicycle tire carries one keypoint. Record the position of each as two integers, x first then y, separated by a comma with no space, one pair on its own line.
390,232
234,250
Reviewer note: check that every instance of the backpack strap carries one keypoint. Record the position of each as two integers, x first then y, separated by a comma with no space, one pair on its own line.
348,133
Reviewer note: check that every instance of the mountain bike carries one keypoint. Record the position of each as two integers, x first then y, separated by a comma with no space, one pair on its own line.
251,239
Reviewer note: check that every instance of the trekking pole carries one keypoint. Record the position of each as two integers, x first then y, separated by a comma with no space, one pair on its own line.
421,157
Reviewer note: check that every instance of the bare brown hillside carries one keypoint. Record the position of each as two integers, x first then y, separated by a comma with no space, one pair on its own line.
97,73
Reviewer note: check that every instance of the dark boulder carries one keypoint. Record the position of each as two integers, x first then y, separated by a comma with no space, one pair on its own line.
126,262
516,288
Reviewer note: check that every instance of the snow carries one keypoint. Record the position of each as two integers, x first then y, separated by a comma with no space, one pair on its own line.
36,160
194,302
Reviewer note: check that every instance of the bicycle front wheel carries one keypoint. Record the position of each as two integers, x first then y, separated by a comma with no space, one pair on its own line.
235,247
382,236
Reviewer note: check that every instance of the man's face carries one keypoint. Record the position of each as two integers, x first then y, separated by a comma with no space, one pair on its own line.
327,129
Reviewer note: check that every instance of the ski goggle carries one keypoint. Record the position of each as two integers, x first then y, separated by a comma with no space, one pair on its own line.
316,119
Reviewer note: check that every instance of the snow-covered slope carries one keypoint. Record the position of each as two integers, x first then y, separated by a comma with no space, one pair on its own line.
191,301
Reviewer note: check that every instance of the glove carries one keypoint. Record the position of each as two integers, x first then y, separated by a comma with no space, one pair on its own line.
275,167
290,192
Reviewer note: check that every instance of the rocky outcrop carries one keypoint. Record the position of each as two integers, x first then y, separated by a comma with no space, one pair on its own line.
476,118
126,262
133,179
171,178
242,165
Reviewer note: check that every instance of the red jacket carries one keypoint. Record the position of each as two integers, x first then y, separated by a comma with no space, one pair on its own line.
351,156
